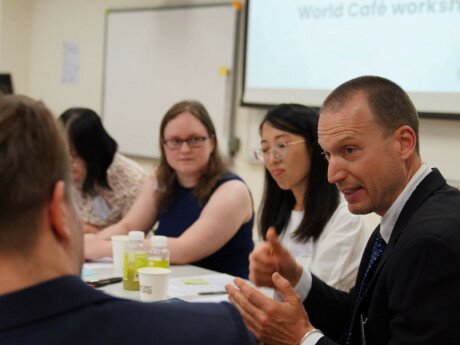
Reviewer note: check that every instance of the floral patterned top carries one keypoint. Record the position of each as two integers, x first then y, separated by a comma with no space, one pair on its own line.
126,179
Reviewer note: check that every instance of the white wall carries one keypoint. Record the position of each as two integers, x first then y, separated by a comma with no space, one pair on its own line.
32,33
15,40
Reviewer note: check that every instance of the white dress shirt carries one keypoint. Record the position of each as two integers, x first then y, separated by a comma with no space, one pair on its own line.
334,257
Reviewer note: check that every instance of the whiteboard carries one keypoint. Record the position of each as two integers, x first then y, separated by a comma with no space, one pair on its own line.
159,56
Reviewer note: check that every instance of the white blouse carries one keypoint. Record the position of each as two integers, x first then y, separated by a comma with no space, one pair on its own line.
335,256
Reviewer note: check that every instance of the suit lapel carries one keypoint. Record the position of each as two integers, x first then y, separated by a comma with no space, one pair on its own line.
432,182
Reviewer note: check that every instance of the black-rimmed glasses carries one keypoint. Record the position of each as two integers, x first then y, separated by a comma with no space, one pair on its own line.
176,143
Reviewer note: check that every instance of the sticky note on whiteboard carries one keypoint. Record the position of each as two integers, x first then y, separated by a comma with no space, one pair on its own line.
224,71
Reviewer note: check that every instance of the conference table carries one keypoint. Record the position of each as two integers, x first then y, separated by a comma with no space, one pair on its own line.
187,282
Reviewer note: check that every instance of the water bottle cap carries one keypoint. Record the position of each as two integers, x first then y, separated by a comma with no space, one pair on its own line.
159,241
136,236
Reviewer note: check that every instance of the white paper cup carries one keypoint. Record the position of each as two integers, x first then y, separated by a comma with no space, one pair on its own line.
118,251
153,283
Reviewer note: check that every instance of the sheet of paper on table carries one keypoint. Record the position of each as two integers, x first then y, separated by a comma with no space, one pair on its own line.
193,286
103,267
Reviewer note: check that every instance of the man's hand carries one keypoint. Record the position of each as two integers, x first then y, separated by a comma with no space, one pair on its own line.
272,322
270,257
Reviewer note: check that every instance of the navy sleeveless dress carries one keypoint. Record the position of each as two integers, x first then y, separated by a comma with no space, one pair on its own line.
233,257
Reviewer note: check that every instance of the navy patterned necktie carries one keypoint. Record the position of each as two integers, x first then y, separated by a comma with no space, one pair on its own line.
377,250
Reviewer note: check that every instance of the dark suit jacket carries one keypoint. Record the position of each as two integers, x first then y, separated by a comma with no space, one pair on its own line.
414,295
66,311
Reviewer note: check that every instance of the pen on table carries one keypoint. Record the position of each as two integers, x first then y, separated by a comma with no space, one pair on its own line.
206,293
104,282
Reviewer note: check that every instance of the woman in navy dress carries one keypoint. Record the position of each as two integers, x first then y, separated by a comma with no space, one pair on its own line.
205,210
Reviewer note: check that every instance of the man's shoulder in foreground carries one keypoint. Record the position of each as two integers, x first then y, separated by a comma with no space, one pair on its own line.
66,311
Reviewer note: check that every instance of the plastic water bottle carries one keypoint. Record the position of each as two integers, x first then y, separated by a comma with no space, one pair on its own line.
135,258
158,254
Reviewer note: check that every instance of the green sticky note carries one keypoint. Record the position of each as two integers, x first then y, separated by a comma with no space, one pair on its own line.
194,281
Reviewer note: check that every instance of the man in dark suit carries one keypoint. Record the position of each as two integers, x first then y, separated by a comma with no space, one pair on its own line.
408,285
42,298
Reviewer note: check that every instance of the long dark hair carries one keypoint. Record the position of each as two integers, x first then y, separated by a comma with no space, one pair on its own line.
166,175
92,143
321,198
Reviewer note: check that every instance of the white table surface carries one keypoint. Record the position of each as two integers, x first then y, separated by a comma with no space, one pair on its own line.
104,269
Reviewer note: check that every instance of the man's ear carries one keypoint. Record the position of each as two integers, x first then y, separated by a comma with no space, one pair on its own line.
57,212
407,141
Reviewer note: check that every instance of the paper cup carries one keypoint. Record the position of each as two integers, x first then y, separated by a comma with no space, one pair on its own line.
118,251
153,283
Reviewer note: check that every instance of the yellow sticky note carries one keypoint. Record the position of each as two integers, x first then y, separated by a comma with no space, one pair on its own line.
194,281
224,71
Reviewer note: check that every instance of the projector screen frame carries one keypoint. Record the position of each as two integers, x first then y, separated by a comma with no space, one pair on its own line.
263,105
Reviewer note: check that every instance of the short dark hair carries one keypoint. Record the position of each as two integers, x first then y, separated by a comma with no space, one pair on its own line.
33,158
321,197
389,103
216,166
88,137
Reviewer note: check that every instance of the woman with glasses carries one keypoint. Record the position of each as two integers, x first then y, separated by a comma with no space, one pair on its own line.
312,221
106,183
205,210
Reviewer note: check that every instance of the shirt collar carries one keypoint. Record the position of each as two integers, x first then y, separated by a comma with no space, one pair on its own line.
391,216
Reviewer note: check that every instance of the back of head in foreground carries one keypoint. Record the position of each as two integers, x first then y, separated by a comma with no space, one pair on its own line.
43,301
35,212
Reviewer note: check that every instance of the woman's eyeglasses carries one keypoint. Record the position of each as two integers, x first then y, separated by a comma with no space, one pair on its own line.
176,143
279,151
